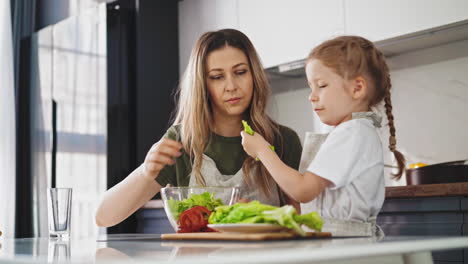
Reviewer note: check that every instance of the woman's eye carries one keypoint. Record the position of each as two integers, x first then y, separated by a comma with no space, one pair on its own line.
241,72
322,86
216,77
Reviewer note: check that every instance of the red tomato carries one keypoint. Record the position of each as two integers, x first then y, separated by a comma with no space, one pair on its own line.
194,219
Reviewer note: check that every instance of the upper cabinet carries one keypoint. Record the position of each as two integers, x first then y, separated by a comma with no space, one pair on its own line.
379,20
283,30
199,16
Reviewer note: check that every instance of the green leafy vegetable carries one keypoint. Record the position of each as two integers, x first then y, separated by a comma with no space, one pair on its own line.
205,199
311,220
250,131
256,212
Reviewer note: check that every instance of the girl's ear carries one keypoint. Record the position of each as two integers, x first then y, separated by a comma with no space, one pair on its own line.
360,87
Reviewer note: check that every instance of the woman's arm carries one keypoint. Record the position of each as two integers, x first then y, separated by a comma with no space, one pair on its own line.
125,198
140,186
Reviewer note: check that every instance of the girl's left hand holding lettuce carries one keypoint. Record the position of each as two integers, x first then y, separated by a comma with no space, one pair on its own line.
254,144
255,212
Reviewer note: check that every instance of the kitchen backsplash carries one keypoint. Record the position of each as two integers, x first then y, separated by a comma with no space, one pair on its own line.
430,106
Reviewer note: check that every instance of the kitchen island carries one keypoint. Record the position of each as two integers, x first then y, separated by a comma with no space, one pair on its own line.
149,248
417,210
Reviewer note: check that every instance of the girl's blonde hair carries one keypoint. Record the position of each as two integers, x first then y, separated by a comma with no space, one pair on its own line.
194,113
353,56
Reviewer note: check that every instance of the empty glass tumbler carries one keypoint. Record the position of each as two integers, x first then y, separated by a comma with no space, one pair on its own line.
59,201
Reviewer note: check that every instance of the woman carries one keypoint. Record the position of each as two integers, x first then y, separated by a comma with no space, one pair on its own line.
224,83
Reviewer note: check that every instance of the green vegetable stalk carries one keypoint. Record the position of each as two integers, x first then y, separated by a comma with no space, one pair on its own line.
250,131
247,128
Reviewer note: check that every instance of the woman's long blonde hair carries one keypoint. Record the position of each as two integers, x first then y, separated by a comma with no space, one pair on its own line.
194,113
353,56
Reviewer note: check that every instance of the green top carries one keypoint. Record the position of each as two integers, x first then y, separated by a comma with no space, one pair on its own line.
228,154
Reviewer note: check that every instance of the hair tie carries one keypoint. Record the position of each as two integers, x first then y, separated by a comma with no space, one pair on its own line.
392,143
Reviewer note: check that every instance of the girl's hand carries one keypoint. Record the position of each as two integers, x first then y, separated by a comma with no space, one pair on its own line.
161,154
254,144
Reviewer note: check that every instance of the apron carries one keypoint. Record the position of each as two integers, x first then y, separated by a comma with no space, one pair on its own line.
338,227
213,177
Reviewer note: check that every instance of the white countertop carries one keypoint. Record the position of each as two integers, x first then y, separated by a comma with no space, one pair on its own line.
150,249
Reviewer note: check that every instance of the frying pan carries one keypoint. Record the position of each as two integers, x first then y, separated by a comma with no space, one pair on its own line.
447,172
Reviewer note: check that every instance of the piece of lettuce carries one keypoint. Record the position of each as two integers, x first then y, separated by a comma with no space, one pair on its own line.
250,131
237,212
256,212
311,220
205,199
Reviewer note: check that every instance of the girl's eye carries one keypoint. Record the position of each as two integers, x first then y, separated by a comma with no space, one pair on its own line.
322,86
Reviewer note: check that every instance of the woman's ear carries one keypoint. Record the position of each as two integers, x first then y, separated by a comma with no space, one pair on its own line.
360,87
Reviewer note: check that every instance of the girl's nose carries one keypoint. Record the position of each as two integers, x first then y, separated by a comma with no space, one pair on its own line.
313,98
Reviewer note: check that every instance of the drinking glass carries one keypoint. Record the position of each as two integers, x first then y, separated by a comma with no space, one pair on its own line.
59,201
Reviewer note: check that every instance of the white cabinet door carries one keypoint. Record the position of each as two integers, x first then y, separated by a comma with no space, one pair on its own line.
383,19
199,16
283,31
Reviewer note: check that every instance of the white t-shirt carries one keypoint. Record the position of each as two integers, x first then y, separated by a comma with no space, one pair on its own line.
351,158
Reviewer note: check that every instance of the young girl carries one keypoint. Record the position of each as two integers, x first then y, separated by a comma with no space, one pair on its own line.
223,84
345,182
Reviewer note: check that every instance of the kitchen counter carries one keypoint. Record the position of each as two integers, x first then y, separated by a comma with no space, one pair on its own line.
146,248
427,190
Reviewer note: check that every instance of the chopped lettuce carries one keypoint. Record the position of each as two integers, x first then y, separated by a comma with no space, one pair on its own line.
311,220
238,212
255,212
205,199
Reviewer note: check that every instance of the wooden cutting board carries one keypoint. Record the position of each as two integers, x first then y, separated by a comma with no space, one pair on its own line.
240,236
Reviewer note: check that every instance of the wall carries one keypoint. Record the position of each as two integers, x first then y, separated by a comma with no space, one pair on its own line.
430,102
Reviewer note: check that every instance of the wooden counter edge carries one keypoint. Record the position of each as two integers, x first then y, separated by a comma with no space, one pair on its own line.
427,190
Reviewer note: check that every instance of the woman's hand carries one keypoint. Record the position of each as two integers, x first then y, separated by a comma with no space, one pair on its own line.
161,154
254,144
243,200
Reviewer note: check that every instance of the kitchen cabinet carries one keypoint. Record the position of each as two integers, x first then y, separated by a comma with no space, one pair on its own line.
379,20
153,221
199,16
428,216
283,31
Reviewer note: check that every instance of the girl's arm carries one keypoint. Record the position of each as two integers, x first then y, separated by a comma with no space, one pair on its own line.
294,203
301,187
